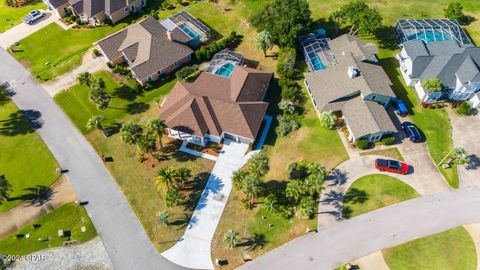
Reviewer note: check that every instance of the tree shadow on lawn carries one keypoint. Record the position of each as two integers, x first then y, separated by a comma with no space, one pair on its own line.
124,92
37,195
355,195
195,189
16,124
113,129
137,107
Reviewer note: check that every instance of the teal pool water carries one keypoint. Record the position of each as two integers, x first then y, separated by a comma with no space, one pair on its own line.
189,31
225,70
316,62
430,36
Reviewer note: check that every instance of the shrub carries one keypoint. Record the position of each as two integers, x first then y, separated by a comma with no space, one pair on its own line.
185,72
206,52
389,140
291,92
96,52
306,208
109,64
286,126
465,108
454,11
362,144
433,84
286,63
327,120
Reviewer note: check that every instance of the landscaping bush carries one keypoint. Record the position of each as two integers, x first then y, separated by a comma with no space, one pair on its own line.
109,64
389,140
328,120
96,52
362,144
185,72
465,108
206,52
286,63
286,126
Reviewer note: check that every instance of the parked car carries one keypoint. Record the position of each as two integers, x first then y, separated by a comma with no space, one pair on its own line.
400,107
391,165
34,15
412,132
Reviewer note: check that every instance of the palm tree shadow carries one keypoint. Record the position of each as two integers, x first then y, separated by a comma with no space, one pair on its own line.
38,195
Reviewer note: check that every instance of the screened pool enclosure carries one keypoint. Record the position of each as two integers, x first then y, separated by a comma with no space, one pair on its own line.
431,30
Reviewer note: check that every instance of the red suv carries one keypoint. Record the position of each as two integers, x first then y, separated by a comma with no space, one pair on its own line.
391,165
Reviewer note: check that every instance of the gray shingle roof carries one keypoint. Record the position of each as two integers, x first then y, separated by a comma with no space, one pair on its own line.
57,3
333,89
147,47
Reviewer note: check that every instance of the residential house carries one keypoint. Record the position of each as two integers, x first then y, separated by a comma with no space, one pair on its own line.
96,12
60,7
445,53
346,78
218,106
148,48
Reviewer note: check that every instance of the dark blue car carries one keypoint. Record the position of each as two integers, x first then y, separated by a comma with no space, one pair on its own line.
412,132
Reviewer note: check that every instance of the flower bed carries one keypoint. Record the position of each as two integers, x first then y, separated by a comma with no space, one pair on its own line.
210,148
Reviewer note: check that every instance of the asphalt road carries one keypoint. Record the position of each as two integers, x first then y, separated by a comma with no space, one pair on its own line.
345,241
123,236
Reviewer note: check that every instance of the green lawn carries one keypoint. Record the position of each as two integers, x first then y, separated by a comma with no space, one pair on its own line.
453,249
61,48
10,16
375,191
24,160
69,218
76,104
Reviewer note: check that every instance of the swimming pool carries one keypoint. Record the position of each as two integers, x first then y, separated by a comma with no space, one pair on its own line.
430,36
316,62
189,31
225,70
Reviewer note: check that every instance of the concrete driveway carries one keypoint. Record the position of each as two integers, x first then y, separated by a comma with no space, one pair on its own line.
465,134
193,250
23,30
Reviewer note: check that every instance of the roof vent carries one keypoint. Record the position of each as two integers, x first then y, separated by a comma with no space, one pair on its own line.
353,72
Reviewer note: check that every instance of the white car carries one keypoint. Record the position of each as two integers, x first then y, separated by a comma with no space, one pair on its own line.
34,15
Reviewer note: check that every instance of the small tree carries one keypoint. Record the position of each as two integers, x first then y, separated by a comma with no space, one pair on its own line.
306,208
146,143
264,42
174,198
230,239
253,187
162,218
95,122
166,179
84,78
238,179
459,155
328,120
363,19
4,95
258,165
454,11
286,126
184,174
465,108
295,190
5,188
287,107
156,127
433,84
131,133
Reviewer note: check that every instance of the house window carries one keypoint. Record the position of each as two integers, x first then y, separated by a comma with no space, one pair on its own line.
375,138
175,64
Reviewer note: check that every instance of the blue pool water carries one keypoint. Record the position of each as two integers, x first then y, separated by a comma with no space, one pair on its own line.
316,62
430,36
225,70
189,31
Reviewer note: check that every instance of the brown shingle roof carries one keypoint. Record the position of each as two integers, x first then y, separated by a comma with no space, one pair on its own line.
146,46
211,104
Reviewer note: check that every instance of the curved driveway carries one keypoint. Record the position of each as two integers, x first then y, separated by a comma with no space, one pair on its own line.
345,241
124,238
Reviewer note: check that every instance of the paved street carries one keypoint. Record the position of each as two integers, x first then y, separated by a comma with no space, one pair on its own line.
23,30
194,248
345,241
123,236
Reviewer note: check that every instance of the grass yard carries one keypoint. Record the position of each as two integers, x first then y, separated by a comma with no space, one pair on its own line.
375,191
389,152
453,249
69,218
24,160
281,230
9,16
64,51
76,104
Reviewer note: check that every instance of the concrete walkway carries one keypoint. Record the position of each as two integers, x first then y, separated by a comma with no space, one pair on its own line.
23,30
89,255
24,214
374,261
193,250
465,134
345,241
89,64
124,238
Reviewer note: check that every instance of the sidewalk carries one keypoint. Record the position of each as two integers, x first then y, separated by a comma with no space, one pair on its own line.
24,214
193,250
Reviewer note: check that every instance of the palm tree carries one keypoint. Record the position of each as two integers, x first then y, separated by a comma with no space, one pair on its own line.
157,126
238,179
146,143
184,174
230,238
131,133
95,122
162,218
264,42
258,165
252,188
316,170
174,198
295,190
166,179
5,188
287,107
84,78
327,119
